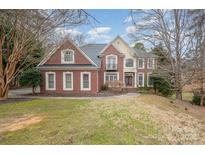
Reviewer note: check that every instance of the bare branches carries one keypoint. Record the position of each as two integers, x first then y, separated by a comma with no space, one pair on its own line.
21,31
171,28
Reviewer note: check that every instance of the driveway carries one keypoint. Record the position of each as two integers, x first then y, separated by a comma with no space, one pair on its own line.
21,93
18,93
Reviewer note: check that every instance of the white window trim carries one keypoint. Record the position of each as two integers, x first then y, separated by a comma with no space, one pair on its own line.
142,79
148,74
153,61
133,63
47,87
110,73
81,81
64,80
62,57
138,63
111,55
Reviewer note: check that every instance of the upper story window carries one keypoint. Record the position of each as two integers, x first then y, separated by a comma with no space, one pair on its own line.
129,62
140,63
150,63
67,56
111,62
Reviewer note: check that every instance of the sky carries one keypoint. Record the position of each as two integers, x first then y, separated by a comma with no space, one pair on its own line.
111,23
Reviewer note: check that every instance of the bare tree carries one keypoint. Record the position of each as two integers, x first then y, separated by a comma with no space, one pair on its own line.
79,39
19,30
76,36
198,28
171,29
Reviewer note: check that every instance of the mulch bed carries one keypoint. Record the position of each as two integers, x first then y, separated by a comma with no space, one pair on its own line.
100,94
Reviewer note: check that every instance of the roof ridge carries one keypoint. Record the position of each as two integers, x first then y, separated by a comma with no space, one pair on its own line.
93,44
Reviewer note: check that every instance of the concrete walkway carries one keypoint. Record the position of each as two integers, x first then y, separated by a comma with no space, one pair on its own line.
17,93
21,93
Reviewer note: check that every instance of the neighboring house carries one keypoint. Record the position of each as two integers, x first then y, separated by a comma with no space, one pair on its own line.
72,69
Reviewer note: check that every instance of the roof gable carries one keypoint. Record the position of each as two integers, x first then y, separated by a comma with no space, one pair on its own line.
54,57
115,42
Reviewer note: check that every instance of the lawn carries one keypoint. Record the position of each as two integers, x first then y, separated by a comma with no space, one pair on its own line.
186,96
146,119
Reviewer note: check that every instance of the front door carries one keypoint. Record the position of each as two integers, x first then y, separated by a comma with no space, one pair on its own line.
128,80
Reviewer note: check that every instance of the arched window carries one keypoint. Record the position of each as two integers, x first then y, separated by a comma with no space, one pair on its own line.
129,62
111,62
68,56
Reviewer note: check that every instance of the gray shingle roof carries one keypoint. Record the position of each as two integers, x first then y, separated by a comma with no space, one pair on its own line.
67,65
93,51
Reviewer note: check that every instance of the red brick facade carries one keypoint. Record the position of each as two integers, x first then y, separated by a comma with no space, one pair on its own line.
79,59
111,50
76,82
78,56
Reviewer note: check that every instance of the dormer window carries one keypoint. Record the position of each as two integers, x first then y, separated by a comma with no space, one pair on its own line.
67,56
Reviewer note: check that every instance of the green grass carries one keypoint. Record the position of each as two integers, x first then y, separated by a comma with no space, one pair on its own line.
186,96
79,122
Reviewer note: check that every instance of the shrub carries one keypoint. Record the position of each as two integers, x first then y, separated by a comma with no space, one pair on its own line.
104,87
112,85
196,100
30,77
162,86
143,90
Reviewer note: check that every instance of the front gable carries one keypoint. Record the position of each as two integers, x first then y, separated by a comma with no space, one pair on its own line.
123,47
79,56
111,50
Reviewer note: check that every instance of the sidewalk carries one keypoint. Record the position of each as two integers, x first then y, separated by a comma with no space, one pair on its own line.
21,93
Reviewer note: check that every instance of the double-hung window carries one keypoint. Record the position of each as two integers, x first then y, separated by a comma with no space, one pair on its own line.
85,81
50,81
140,63
67,80
150,63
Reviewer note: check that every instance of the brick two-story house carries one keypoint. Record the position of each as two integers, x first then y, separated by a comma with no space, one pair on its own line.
73,69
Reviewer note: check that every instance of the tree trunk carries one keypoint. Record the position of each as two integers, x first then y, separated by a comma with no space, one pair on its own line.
178,86
33,90
202,100
4,93
202,93
178,94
